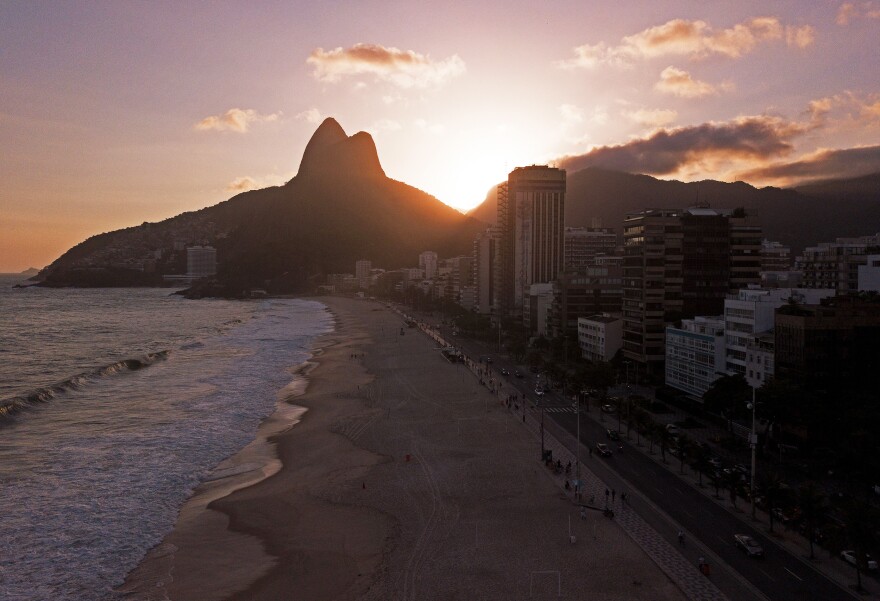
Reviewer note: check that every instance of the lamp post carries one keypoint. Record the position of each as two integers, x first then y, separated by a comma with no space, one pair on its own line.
577,456
753,442
542,431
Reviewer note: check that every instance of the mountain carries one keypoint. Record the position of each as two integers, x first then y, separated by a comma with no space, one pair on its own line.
797,217
340,207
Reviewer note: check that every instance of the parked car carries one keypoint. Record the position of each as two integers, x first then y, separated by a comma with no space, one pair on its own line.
539,391
608,408
672,429
505,371
849,556
751,547
612,434
603,449
715,462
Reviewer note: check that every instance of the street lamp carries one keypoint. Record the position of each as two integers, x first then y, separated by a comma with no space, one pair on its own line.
542,431
753,442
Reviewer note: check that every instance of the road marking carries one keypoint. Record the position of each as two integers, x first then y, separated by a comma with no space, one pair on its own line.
688,513
767,575
793,574
659,490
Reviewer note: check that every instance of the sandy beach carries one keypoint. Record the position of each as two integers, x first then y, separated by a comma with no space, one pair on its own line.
404,479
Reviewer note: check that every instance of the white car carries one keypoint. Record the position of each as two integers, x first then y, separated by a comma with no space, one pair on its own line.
849,556
539,391
751,547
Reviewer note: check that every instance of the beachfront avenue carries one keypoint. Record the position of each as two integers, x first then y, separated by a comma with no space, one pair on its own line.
663,498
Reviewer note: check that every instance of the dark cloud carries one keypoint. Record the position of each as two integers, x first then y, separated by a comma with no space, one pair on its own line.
823,164
669,150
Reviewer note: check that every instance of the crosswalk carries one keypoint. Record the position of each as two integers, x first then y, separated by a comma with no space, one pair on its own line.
559,409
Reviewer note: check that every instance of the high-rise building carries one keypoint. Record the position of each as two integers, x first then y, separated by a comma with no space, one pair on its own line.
362,271
836,264
531,219
485,267
695,354
201,261
582,245
679,264
597,289
428,262
775,256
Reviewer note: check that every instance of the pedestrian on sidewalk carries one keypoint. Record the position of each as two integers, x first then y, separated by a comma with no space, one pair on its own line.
613,494
583,513
623,497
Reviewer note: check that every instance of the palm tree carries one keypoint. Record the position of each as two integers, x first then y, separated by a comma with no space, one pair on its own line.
685,446
860,524
771,484
701,463
812,500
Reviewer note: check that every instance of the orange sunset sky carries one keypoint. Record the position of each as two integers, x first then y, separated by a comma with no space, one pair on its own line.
116,113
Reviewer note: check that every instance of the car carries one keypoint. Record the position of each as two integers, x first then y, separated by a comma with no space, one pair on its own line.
608,408
612,434
603,449
751,547
715,462
539,391
672,429
849,556
505,371
518,373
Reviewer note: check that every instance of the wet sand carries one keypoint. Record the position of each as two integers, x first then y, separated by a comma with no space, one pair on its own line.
405,479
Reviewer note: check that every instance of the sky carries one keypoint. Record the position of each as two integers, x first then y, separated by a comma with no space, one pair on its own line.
117,113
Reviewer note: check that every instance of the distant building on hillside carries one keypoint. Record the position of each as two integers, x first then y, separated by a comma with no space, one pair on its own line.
201,261
428,262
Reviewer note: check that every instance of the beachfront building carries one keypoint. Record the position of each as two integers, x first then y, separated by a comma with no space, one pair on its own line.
679,263
583,245
836,264
531,219
362,271
600,336
695,355
485,269
751,311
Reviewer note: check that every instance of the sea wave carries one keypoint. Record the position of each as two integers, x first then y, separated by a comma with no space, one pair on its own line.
11,406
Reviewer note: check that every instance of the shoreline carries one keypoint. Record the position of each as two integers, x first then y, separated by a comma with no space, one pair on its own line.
400,481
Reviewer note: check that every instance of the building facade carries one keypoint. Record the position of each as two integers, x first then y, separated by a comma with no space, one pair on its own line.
836,264
583,245
428,262
531,218
600,337
695,354
362,271
201,261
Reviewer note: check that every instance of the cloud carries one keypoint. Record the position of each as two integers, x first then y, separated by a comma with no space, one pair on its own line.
241,184
571,114
800,37
312,116
402,68
384,125
846,110
694,39
849,11
651,117
819,165
669,150
680,83
238,120
437,129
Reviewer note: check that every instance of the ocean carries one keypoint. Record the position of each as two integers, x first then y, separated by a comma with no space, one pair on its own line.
114,405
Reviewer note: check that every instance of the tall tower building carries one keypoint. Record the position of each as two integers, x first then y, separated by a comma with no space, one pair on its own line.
485,267
531,218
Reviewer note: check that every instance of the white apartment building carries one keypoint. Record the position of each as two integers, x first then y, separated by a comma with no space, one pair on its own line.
869,274
536,308
600,336
751,311
760,365
695,354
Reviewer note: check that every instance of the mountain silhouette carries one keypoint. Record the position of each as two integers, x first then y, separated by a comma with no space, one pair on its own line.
797,217
339,208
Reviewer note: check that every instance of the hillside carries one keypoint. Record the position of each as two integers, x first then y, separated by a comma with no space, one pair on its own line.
339,208
797,217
